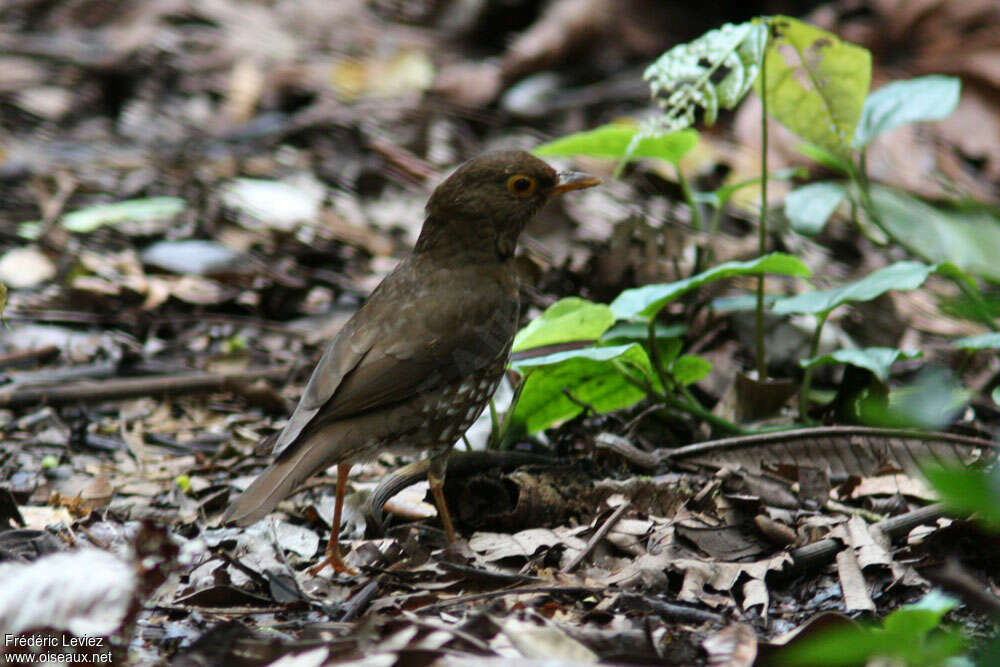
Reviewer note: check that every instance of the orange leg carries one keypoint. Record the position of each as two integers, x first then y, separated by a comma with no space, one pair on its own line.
333,558
435,478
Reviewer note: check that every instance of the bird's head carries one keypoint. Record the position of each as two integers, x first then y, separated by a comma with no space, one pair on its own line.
488,200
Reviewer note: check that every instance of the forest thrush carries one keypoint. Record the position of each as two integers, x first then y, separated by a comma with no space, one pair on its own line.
416,365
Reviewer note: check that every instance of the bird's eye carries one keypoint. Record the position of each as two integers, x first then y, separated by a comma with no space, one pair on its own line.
521,185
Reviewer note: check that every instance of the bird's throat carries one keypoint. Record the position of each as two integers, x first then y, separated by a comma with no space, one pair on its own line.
469,240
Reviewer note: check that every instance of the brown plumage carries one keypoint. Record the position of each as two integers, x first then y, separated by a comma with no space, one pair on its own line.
418,362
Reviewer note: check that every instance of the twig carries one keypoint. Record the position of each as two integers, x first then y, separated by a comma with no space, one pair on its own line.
360,602
533,590
586,407
669,611
626,450
601,533
633,423
110,390
39,355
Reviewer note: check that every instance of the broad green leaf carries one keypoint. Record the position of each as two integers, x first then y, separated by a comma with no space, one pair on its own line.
643,303
712,72
569,319
898,276
809,207
133,210
968,239
922,99
996,394
816,83
612,141
911,635
689,369
878,360
967,490
838,646
986,341
593,376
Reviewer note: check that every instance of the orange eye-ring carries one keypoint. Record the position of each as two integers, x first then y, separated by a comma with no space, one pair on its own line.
521,185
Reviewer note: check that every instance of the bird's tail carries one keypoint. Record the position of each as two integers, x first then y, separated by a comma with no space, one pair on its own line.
275,484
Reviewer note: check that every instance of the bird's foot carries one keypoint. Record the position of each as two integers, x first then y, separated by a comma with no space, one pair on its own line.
334,560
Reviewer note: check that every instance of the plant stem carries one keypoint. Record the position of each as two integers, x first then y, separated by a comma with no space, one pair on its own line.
762,239
696,409
859,177
654,355
697,220
807,375
679,402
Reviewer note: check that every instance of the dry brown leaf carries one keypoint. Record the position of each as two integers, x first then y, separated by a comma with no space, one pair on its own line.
852,583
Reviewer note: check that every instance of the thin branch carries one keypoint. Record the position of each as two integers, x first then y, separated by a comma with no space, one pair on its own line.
595,539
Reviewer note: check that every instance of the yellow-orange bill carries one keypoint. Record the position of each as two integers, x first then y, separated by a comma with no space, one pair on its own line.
575,180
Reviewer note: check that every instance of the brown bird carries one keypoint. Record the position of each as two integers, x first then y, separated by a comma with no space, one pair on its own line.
416,365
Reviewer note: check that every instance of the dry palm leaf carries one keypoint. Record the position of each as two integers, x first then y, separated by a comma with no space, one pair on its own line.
843,450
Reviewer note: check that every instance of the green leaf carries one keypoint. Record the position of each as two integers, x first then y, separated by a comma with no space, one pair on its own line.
898,276
996,395
838,646
567,320
917,619
968,239
878,360
612,141
133,210
986,341
816,83
911,635
712,72
922,99
689,369
809,207
593,376
967,490
643,303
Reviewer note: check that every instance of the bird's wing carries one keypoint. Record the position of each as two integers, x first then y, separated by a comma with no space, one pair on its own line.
364,369
344,353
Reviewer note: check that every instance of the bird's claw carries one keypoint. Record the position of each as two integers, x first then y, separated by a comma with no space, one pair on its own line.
335,562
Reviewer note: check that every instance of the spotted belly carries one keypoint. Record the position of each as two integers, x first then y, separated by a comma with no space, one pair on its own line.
443,414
